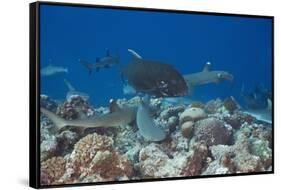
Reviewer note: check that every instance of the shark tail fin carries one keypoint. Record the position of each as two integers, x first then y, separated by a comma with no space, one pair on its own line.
58,122
87,64
69,86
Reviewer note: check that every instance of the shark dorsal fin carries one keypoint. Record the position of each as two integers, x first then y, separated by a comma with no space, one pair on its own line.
113,106
207,67
135,54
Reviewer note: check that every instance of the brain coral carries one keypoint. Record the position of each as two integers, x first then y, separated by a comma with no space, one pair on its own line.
212,131
192,114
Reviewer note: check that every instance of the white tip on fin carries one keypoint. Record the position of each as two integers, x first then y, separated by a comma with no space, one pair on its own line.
207,67
135,54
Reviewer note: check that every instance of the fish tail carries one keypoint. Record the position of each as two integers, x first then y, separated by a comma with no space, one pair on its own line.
88,65
58,121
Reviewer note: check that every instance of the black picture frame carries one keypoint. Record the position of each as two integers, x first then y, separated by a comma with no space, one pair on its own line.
34,91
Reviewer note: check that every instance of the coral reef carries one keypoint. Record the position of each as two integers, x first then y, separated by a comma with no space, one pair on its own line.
192,114
242,157
213,106
196,159
216,138
48,103
94,157
230,104
187,128
75,108
51,170
155,163
212,131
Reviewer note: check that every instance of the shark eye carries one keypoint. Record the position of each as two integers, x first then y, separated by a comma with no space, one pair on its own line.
219,75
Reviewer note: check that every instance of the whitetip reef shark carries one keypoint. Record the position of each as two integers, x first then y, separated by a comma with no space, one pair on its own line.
118,116
52,70
107,61
206,76
264,115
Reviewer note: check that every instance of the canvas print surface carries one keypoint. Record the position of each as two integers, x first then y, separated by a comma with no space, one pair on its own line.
134,94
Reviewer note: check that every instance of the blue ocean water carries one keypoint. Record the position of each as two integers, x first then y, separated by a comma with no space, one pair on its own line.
239,45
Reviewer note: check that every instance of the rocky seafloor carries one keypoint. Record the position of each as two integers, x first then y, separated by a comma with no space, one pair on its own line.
202,139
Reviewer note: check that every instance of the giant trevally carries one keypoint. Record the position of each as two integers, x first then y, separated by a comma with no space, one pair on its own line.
153,77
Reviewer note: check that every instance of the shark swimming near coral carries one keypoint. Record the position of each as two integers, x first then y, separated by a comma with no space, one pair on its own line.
264,114
153,77
118,116
107,61
206,76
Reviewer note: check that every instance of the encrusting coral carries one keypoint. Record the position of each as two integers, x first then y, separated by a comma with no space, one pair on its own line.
51,170
94,157
196,159
155,163
75,108
212,131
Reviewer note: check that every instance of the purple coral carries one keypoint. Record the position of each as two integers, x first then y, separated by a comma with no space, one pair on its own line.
212,131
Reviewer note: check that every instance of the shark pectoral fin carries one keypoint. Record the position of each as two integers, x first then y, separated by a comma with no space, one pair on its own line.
58,121
147,128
